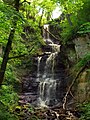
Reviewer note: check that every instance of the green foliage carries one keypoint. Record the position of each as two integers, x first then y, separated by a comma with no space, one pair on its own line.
11,75
6,15
20,45
68,33
38,10
85,111
77,13
10,12
84,28
83,61
10,2
26,112
4,28
84,14
70,6
8,96
8,101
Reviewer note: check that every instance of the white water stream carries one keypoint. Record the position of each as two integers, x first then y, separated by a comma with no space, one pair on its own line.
47,82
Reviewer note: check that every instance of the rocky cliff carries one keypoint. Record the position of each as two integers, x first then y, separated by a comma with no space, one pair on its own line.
79,50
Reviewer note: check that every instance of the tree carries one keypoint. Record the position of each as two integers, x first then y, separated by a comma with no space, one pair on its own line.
39,11
70,7
9,44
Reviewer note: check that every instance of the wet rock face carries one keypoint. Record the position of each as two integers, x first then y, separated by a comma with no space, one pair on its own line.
83,87
29,84
82,46
29,88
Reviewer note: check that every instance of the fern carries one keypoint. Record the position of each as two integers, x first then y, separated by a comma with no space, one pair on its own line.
85,28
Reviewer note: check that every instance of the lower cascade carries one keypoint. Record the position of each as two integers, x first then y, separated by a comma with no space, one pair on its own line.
47,82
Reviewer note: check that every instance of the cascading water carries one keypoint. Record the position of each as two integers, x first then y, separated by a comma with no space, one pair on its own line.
46,79
38,68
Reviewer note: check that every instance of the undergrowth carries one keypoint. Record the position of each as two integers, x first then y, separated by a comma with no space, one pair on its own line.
8,95
85,111
85,61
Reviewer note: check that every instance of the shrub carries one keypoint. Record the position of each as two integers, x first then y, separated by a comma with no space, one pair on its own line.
85,111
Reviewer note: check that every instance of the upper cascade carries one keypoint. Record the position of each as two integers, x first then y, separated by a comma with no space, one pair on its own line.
46,37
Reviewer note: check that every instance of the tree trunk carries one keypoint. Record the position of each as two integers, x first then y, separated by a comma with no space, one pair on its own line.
69,20
8,46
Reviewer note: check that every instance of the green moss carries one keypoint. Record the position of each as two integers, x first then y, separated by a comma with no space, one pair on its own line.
85,111
83,61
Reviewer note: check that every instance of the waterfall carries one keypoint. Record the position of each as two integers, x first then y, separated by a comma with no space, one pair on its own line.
47,81
38,68
46,35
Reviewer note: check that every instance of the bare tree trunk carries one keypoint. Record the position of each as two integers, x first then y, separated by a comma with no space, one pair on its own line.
69,20
8,46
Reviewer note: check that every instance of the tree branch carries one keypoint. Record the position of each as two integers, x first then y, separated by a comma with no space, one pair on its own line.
70,87
51,34
18,56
